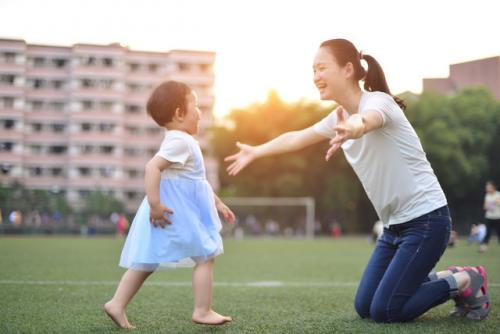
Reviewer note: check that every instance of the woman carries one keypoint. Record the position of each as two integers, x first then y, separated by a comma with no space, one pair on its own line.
385,152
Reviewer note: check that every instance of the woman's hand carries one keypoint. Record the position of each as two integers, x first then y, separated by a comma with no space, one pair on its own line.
350,128
241,159
157,215
225,212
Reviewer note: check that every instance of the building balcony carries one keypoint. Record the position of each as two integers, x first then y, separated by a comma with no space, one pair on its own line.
43,116
10,157
45,94
94,182
193,78
11,90
11,135
103,94
45,182
95,138
46,159
46,137
96,160
96,115
48,72
12,68
11,113
98,71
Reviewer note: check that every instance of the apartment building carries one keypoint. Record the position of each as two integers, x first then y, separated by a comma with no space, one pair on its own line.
73,119
485,72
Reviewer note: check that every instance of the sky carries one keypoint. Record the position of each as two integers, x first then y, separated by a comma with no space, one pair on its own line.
270,44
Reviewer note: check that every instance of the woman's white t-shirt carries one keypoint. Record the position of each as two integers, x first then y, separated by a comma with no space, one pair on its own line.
390,162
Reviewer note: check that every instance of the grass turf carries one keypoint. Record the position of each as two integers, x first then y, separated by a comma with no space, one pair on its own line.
44,288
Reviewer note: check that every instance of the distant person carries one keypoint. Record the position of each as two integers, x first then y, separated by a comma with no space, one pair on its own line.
453,241
177,223
336,230
386,154
491,207
477,234
16,217
121,226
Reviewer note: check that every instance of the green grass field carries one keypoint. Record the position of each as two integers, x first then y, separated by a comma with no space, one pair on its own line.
58,285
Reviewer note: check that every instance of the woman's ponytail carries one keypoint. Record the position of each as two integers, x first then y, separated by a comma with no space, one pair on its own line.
374,77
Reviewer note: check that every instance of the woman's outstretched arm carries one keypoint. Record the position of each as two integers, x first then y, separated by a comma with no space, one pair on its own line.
287,142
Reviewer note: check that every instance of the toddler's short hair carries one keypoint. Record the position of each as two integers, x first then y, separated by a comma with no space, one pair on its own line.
165,99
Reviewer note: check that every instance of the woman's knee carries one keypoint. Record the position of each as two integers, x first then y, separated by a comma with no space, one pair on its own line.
362,307
378,312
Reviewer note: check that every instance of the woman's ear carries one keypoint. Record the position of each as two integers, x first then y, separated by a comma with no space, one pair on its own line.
349,70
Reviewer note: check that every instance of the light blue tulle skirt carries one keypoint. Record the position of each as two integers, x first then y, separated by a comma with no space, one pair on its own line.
193,236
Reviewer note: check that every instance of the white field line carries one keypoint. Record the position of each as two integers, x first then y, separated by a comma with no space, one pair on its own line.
263,284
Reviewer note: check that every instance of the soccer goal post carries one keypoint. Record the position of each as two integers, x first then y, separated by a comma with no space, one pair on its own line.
307,202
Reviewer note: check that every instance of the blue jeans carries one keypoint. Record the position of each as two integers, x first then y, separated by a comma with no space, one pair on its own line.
394,286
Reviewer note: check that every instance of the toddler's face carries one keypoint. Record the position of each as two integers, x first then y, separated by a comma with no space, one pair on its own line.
193,114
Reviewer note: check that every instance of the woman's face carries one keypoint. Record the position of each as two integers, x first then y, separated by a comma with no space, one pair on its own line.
329,77
490,188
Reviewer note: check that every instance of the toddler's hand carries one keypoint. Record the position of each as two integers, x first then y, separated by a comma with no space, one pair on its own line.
226,213
157,215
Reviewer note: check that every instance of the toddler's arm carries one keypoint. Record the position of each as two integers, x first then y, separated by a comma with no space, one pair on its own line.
152,183
224,210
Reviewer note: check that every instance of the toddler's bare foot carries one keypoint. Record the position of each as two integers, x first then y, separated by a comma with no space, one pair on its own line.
210,318
117,315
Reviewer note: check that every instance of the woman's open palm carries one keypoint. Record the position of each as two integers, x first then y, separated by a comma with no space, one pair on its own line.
241,159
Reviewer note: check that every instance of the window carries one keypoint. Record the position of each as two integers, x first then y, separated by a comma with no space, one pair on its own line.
106,105
37,127
153,67
38,62
7,79
107,149
131,108
56,171
59,62
86,104
58,128
37,105
108,62
133,67
9,123
105,171
36,149
86,127
57,149
58,84
133,173
183,67
131,195
7,102
106,127
205,68
56,106
84,171
83,193
9,57
6,146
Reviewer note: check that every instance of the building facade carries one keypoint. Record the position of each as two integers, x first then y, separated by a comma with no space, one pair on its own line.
73,119
485,72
